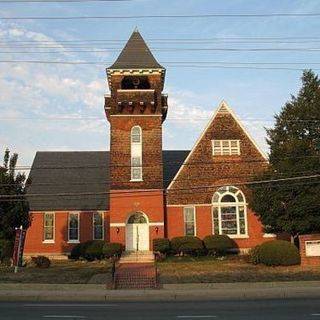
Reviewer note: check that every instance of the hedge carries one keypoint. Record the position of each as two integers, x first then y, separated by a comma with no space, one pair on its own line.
161,245
96,250
93,250
275,253
218,244
112,249
189,245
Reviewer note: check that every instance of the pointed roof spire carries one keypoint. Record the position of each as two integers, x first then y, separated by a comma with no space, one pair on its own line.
136,55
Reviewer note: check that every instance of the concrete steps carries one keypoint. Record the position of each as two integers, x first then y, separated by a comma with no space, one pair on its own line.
137,257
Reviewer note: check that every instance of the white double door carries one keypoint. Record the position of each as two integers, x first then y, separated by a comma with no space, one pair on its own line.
137,237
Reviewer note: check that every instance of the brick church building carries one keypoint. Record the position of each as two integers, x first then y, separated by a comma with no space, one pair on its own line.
137,192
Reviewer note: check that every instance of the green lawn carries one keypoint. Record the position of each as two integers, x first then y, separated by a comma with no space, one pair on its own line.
59,272
231,269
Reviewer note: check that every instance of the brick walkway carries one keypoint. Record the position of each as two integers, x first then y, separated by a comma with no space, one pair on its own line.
136,276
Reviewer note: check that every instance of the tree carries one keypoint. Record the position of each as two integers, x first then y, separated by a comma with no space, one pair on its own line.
293,206
13,212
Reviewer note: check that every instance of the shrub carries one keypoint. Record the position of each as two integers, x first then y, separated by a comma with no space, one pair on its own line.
89,250
93,250
253,256
78,251
187,245
41,262
218,245
275,253
161,245
112,249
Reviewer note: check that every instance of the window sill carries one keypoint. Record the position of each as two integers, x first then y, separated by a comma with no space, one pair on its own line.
47,241
136,180
269,235
238,236
73,241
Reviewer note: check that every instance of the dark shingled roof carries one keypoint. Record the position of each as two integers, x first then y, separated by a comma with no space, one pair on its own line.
81,172
136,55
70,172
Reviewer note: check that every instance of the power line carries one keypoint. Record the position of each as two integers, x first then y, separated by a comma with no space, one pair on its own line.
102,119
181,163
172,66
174,16
59,1
108,182
113,49
226,38
257,182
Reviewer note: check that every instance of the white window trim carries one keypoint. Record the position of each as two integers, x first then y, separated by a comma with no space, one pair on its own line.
194,219
229,204
76,240
229,147
54,228
102,213
137,144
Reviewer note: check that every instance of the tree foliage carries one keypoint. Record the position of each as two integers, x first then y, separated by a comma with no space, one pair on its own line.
13,213
293,206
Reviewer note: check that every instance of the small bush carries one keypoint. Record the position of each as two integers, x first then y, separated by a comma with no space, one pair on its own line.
41,262
112,249
253,256
218,245
275,253
161,245
93,250
89,250
187,245
78,251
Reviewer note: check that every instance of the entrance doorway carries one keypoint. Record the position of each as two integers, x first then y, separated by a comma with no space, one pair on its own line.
137,233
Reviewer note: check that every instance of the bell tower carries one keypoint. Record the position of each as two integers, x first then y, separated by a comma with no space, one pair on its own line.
136,109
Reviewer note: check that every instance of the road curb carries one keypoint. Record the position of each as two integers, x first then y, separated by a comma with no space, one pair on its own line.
162,294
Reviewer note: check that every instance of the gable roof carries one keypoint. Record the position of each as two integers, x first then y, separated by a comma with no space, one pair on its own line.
79,173
136,55
223,108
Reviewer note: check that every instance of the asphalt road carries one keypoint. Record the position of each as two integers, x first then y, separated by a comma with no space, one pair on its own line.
253,309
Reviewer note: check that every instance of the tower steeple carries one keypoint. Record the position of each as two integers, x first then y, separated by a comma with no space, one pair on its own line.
136,55
136,81
136,108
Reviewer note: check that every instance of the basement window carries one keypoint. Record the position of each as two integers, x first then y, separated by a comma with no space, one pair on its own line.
225,147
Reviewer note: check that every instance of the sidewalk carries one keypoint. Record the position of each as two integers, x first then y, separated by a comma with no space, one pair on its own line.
170,292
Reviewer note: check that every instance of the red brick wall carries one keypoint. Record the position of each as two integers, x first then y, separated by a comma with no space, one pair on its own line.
124,203
120,152
34,239
305,260
204,226
203,169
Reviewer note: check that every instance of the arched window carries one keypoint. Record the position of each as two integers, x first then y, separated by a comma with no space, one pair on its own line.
229,212
136,153
137,218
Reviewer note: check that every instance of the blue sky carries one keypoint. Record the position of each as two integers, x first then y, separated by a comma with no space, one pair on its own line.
31,92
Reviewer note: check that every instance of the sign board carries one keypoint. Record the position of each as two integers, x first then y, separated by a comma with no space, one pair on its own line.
312,248
18,247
